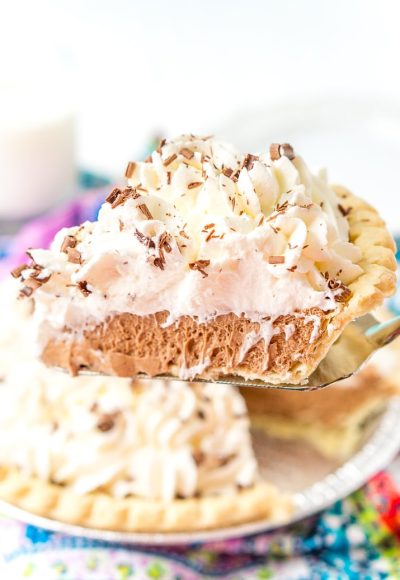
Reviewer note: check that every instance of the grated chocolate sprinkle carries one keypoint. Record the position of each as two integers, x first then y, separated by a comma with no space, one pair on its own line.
82,286
198,456
16,272
199,266
342,292
210,235
145,211
26,291
274,151
161,145
276,259
227,171
68,242
187,153
74,256
122,196
113,195
278,150
145,240
157,262
248,161
130,169
106,422
164,242
194,184
170,159
344,210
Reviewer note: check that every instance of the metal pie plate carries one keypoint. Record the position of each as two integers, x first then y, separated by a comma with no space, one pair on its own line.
295,467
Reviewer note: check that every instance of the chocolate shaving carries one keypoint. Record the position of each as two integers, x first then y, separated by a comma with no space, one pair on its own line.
342,292
130,169
199,265
26,291
208,226
106,422
292,269
344,295
170,159
248,161
145,240
278,150
227,171
68,242
210,235
74,256
161,145
113,195
198,457
16,272
37,274
122,196
168,177
164,242
287,151
281,208
195,184
274,152
145,211
82,285
276,259
187,153
344,210
157,262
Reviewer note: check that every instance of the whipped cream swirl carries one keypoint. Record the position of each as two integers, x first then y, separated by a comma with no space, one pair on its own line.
156,440
201,231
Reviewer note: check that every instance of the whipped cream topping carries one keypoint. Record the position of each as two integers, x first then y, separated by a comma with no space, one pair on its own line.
155,440
202,231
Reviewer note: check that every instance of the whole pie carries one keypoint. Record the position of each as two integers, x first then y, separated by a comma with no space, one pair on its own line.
210,263
116,454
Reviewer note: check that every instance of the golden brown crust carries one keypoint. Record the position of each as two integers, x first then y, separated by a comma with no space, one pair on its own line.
188,345
101,511
334,407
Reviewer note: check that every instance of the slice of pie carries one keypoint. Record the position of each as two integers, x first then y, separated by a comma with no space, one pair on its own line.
334,420
210,263
111,453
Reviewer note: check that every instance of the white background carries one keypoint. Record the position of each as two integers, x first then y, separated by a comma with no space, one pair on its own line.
131,68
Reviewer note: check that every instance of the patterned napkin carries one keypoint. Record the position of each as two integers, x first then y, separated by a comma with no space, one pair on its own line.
358,538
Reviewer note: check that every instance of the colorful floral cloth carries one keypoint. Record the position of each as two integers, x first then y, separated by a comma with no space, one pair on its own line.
358,538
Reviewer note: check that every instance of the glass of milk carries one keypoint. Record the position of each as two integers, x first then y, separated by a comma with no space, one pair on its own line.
37,148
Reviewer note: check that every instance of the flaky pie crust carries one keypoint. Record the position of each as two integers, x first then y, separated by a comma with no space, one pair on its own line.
101,511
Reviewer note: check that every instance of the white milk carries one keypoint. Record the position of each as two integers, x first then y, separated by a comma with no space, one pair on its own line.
37,162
